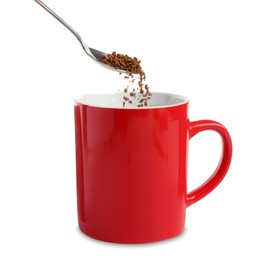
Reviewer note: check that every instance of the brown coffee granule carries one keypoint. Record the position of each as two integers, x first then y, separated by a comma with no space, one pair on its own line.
122,62
132,67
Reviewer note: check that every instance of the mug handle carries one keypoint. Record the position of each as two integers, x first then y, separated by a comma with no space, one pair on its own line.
213,181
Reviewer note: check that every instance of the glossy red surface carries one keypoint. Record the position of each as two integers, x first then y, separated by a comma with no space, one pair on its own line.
131,171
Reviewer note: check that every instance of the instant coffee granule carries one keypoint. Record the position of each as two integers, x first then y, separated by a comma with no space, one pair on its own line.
132,67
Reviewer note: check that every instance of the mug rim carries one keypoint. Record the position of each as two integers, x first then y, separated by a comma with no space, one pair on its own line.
184,99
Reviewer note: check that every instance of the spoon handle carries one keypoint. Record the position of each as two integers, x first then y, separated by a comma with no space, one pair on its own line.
60,20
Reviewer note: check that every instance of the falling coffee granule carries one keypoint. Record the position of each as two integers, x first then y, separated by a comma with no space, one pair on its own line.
131,67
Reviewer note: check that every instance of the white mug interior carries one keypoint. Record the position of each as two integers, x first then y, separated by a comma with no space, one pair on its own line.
115,100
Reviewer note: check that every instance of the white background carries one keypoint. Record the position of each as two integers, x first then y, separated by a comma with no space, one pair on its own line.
208,51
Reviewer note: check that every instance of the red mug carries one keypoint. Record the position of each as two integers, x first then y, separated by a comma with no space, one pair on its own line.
131,166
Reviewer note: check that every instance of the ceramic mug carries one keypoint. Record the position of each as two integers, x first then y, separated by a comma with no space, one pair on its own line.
131,166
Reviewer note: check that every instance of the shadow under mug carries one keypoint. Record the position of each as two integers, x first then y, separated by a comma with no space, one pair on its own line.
131,166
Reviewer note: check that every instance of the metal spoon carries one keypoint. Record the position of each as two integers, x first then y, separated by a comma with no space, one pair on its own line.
94,54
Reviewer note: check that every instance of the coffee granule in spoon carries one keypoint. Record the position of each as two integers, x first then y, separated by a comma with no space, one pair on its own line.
131,66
